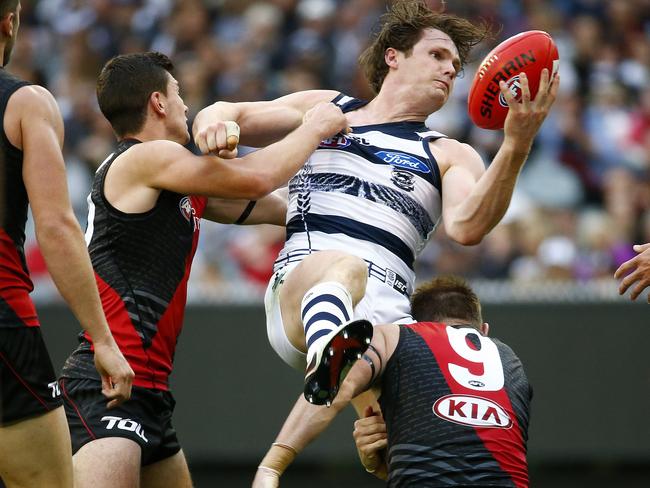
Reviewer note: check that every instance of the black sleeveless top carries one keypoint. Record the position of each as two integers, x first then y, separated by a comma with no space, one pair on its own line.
16,308
142,263
456,406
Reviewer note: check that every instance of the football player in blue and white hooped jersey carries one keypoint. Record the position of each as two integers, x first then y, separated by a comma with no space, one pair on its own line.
365,203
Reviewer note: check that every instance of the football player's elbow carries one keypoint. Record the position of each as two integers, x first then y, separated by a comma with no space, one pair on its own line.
55,227
465,237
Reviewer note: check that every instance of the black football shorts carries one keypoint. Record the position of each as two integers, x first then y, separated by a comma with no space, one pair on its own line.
28,384
145,418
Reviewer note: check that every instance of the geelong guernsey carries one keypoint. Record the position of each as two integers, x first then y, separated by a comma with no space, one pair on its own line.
375,193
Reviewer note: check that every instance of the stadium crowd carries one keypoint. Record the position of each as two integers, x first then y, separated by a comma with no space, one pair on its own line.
581,202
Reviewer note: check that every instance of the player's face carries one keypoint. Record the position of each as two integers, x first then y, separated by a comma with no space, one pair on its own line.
176,113
9,46
432,67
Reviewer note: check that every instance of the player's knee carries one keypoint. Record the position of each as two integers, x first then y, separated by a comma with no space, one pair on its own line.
357,268
352,272
341,267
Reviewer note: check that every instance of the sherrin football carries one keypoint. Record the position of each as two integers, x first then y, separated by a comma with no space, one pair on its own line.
529,52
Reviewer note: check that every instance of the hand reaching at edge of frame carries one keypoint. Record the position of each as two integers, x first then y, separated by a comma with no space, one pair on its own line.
637,270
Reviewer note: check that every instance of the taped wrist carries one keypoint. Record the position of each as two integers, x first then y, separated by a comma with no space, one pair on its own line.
269,470
279,457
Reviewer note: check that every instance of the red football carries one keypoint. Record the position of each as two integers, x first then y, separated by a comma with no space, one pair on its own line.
529,52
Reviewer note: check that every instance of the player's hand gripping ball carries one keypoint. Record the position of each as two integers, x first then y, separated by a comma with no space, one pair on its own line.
529,52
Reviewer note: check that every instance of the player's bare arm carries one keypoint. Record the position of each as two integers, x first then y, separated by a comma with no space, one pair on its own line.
303,425
261,123
476,199
307,421
272,209
370,430
138,175
39,132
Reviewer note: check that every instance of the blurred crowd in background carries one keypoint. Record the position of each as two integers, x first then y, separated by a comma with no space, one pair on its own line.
583,197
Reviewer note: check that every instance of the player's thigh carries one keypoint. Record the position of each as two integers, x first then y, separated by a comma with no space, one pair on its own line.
316,268
36,452
110,462
172,471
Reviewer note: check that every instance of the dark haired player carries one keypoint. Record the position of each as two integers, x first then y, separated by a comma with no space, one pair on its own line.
34,438
365,204
456,403
145,207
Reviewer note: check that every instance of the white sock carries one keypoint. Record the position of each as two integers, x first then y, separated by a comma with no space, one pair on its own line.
324,308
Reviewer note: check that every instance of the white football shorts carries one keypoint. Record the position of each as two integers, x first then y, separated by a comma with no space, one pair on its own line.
382,304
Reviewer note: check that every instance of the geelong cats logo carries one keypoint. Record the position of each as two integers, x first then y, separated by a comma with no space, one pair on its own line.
403,179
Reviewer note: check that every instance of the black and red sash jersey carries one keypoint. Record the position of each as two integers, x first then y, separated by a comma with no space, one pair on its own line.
142,263
456,406
16,307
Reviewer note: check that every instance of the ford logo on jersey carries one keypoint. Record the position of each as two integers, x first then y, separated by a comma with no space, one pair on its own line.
402,160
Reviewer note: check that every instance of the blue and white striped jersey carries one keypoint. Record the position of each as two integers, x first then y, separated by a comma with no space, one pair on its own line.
375,193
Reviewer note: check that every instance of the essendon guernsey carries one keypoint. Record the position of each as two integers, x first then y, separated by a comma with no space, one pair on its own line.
142,264
456,408
16,308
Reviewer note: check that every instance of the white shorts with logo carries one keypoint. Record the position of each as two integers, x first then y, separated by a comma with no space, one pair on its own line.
381,304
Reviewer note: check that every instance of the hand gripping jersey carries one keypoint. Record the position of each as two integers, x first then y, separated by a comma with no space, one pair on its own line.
16,308
456,406
374,193
142,264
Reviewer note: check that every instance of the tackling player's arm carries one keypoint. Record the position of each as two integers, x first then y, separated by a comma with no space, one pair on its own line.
34,111
261,123
145,169
476,199
272,209
371,440
307,421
